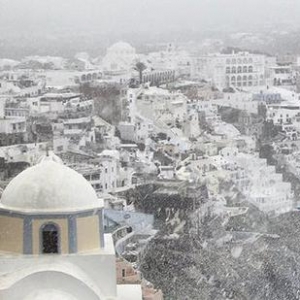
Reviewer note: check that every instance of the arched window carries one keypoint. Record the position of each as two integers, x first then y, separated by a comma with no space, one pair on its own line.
250,69
227,70
239,69
245,69
250,79
239,81
50,238
233,70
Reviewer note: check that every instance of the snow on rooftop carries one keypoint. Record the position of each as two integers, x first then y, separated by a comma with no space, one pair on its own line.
129,292
60,95
57,61
8,62
111,153
285,94
226,129
49,186
156,91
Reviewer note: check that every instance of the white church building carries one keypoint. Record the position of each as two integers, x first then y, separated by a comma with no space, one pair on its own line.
119,59
52,241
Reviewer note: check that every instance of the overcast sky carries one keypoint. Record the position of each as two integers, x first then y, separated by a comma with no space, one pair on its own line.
143,15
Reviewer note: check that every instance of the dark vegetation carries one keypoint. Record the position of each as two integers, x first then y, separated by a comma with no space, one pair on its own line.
107,101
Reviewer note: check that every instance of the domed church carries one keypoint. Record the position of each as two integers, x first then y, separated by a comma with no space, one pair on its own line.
52,241
119,59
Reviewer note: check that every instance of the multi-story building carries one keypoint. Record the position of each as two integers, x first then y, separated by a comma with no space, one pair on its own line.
157,77
52,102
74,126
105,174
15,109
266,188
238,70
160,105
12,128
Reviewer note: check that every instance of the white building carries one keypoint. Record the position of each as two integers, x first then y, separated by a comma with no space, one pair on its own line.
240,101
52,241
11,127
162,106
119,59
172,58
76,126
281,76
59,102
167,172
266,188
240,70
105,174
286,111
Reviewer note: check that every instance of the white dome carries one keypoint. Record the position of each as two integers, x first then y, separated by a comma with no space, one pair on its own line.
121,47
51,187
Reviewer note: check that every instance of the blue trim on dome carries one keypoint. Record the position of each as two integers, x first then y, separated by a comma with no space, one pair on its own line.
101,227
27,235
51,215
72,225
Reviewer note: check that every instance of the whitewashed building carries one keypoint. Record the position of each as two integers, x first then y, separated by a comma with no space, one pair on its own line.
239,70
119,59
52,241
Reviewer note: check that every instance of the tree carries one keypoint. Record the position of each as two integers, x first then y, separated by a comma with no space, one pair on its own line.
140,67
107,101
141,147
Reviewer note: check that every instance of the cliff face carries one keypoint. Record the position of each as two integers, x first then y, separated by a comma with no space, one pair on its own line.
217,257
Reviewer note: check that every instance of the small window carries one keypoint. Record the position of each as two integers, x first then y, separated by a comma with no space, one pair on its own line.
50,239
95,176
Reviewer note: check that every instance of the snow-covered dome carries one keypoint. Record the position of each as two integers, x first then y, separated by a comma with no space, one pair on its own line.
121,48
82,56
49,186
120,57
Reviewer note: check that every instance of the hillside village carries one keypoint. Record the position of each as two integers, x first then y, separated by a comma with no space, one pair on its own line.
195,150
